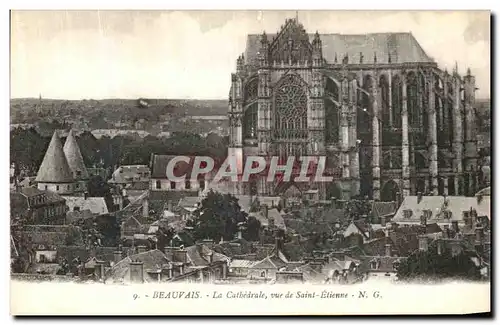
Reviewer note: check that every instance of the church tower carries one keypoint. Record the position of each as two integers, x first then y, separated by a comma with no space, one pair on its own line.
55,174
76,163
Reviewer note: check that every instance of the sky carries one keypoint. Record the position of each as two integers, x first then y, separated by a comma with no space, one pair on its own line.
191,54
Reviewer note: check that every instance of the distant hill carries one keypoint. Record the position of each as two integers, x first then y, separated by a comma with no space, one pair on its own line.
152,115
187,106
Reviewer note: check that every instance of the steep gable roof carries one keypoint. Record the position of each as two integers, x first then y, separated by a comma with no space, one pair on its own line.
74,157
403,48
55,167
438,204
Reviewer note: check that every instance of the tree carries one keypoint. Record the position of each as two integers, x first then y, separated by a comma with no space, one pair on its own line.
218,217
252,229
429,265
355,208
97,187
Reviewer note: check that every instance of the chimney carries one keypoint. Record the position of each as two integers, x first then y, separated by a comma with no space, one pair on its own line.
479,234
169,252
86,195
209,243
423,243
388,250
454,226
145,208
278,242
423,220
170,269
136,272
141,249
440,246
467,219
210,257
99,270
419,197
383,221
117,256
265,210
445,232
180,255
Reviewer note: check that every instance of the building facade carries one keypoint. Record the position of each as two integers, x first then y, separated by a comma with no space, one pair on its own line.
388,119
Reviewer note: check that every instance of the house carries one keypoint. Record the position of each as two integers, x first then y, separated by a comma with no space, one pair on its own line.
160,182
240,267
382,212
381,267
440,209
358,228
130,174
96,205
266,269
196,263
37,206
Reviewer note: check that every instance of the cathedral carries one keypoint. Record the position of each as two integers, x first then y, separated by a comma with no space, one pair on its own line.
390,122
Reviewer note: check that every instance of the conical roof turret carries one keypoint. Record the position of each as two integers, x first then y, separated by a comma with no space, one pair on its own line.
74,158
54,167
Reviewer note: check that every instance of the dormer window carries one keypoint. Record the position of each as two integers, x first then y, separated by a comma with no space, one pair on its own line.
407,213
78,173
373,265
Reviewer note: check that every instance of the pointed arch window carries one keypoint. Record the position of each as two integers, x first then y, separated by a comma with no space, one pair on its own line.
364,120
397,100
251,108
384,96
414,112
332,117
250,122
290,103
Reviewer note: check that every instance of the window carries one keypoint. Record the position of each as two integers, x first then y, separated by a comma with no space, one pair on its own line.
202,185
57,187
290,109
78,173
250,122
172,185
46,187
187,185
407,213
158,185
332,112
397,101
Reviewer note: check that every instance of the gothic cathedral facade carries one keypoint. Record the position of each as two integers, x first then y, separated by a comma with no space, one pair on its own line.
390,122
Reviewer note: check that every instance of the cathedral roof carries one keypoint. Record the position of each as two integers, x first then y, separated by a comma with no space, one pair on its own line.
54,167
74,157
402,47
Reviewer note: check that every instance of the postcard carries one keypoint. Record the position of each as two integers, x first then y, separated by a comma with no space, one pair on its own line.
250,162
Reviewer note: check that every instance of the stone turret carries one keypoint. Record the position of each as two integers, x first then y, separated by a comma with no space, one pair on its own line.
75,162
55,174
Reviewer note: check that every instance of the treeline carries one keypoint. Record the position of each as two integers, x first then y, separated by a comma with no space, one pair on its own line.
27,148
